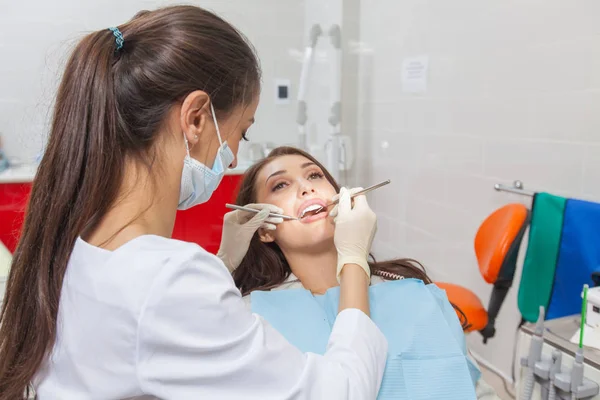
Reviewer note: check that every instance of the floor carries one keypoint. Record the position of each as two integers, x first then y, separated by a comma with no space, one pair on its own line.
497,383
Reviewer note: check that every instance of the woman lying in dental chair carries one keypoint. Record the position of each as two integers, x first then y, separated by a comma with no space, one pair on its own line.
413,313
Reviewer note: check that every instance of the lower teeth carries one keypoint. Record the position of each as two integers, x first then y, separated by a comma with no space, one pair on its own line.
310,214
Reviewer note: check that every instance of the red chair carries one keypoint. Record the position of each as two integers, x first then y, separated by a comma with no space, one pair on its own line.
497,246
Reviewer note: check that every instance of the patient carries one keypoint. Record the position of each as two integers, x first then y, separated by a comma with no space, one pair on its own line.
302,254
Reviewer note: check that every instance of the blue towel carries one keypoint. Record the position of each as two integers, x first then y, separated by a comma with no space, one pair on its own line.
427,350
578,257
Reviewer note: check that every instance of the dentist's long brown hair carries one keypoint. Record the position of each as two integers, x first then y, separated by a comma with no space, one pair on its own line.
110,105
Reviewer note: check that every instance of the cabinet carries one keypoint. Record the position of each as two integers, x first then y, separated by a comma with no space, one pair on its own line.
201,224
13,200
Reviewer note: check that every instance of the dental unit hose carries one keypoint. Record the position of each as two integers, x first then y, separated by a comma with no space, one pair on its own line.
577,373
535,353
554,369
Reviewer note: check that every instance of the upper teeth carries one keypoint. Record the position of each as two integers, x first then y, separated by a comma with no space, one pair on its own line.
313,207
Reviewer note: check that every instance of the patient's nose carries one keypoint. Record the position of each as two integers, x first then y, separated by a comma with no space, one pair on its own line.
306,189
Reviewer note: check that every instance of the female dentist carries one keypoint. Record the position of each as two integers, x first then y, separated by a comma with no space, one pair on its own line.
101,303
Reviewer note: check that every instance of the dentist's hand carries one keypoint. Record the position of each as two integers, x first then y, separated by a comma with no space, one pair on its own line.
238,229
355,227
334,211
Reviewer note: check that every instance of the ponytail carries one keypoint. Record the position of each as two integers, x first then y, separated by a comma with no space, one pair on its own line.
70,189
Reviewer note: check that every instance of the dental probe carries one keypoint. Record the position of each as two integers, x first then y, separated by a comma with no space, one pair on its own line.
364,191
254,210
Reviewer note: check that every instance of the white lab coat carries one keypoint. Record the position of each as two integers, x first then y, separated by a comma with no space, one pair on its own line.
161,318
483,390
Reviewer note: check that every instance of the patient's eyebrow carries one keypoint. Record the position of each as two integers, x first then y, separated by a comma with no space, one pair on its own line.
275,174
305,165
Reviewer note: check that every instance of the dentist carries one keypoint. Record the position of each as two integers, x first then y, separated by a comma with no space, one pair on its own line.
101,303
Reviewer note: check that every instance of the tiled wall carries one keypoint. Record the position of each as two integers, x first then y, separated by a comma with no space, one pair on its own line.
513,93
36,36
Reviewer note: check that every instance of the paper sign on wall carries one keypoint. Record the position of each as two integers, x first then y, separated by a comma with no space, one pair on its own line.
414,74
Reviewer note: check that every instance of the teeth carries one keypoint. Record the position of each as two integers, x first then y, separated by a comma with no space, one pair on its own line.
314,207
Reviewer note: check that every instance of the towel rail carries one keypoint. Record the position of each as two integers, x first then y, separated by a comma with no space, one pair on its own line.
517,188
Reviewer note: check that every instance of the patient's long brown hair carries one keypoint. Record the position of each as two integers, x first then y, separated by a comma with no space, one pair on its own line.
110,106
265,267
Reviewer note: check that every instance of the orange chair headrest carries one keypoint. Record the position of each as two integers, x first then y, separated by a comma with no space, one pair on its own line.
495,237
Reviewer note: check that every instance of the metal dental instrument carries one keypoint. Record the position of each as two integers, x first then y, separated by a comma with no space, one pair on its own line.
254,210
364,191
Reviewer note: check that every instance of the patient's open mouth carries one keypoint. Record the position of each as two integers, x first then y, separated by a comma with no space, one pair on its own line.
312,210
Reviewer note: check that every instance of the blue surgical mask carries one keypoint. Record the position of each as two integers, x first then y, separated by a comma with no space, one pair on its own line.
198,182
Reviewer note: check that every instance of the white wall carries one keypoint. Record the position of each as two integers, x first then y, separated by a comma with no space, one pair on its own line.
318,98
513,93
36,36
345,14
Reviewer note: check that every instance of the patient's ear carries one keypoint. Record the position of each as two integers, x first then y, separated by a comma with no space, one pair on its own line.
266,236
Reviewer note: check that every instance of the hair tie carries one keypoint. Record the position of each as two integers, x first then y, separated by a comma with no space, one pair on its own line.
118,37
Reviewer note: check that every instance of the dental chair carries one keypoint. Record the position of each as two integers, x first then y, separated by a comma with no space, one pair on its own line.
497,244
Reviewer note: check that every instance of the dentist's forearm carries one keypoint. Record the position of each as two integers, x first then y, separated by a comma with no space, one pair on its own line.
354,288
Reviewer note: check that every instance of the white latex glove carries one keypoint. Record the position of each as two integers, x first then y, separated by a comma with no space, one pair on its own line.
355,227
238,229
334,211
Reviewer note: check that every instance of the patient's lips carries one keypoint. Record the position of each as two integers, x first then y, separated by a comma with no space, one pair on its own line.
312,210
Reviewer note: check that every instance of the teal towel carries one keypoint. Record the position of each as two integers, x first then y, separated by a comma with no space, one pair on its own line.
539,266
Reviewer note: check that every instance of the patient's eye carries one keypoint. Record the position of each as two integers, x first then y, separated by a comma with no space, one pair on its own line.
279,186
315,175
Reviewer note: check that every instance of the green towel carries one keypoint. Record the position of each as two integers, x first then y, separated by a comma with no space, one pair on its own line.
542,254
